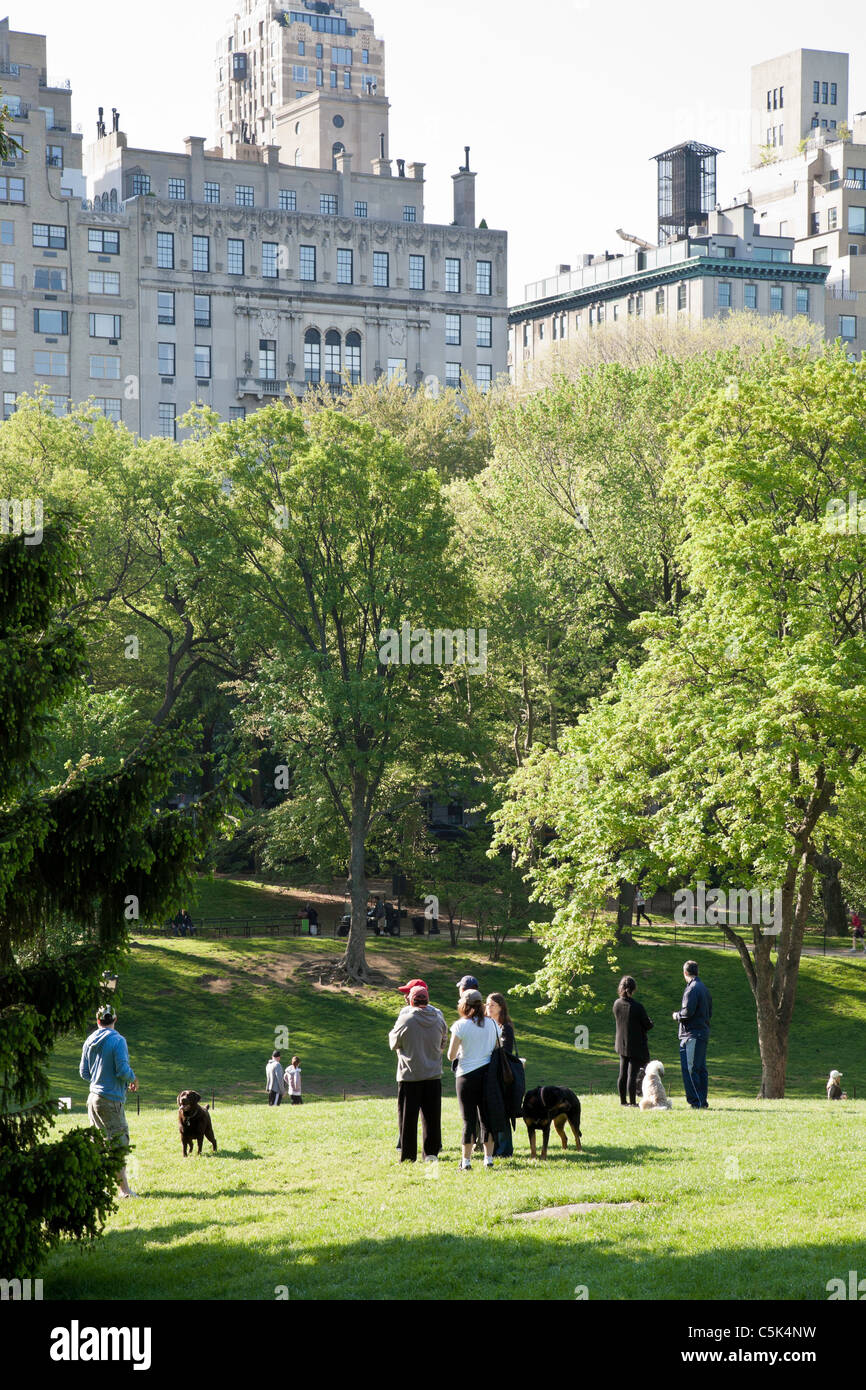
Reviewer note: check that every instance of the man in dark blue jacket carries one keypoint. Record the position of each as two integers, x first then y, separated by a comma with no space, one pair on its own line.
693,1018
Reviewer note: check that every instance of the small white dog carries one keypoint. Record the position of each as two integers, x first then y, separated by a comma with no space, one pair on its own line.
653,1096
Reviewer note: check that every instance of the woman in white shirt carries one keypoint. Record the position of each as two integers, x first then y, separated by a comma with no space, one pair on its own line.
473,1039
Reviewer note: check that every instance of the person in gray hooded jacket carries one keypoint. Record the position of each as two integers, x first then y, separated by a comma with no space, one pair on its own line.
419,1037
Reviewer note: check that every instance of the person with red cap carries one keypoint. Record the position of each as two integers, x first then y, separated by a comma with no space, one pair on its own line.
419,1037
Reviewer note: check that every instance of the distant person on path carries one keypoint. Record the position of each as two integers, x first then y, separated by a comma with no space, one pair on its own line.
105,1064
693,1018
639,907
632,1025
419,1037
834,1090
293,1081
473,1040
274,1084
187,927
496,1008
856,930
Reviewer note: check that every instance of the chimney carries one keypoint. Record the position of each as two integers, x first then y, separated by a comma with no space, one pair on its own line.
382,166
464,195
401,168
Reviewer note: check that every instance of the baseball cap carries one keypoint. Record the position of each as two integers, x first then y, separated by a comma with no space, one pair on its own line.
418,995
467,982
105,1014
836,1073
404,989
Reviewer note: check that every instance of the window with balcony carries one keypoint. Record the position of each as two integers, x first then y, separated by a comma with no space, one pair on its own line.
452,275
234,256
201,310
165,307
484,277
381,272
165,250
307,264
245,195
353,358
345,266
417,274
177,189
201,253
270,260
44,234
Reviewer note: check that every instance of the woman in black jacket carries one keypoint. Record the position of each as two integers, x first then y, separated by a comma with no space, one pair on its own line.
632,1025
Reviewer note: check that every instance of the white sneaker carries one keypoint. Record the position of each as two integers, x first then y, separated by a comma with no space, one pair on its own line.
488,1162
465,1165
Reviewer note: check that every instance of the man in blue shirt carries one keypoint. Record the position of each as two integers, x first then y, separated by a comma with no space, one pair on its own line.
693,1018
105,1064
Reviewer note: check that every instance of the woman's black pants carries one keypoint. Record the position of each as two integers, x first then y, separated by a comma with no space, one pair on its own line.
628,1070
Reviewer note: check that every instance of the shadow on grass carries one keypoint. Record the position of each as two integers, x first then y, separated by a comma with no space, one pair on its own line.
212,1192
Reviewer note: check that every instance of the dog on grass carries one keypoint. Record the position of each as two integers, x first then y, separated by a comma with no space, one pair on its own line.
551,1105
653,1095
194,1122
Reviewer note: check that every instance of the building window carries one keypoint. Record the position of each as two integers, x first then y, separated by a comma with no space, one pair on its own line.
750,296
46,235
802,301
105,325
777,299
211,192
320,78
270,254
201,361
177,188
201,253
814,223
347,82
302,48
7,319
541,328
381,269
7,233
235,256
417,276
397,370
365,55
341,57
816,93
833,91
11,190
824,94
484,377
245,195
857,177
165,250
167,426
360,209
308,263
51,363
59,404
105,368
353,358
832,219
819,255
312,357
201,310
288,200
9,360
345,266
484,277
452,330
660,301
682,295
333,358
333,77
781,97
484,332
103,282
300,72
9,399
165,359
328,204
452,275
410,214
105,243
165,307
847,327
237,412
54,156
110,407
453,375
857,221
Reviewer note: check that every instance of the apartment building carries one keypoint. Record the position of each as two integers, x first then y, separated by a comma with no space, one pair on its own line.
813,186
228,276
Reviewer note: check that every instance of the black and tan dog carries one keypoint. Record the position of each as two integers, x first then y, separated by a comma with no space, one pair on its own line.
551,1105
194,1122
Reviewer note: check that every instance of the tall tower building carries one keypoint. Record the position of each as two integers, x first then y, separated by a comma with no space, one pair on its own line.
686,189
792,96
309,80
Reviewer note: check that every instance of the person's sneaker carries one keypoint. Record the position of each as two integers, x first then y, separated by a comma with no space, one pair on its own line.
465,1165
488,1162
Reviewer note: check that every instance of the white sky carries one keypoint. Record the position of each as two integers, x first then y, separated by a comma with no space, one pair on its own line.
563,105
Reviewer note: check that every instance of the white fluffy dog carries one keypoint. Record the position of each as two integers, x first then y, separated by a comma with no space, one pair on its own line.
653,1096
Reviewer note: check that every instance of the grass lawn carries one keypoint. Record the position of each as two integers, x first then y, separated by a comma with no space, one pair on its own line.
747,1200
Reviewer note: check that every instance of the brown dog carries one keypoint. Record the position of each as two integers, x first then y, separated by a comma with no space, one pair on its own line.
194,1122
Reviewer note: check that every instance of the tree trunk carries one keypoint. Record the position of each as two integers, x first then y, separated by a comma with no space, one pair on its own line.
624,909
354,961
773,1043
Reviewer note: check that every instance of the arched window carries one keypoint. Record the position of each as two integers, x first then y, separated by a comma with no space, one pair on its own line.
297,156
112,199
312,356
337,148
333,355
353,357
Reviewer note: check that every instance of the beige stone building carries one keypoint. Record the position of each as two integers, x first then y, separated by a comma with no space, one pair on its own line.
228,276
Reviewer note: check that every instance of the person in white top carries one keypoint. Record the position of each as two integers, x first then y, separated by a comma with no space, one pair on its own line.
274,1079
473,1039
